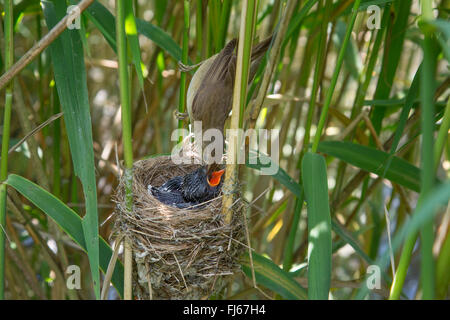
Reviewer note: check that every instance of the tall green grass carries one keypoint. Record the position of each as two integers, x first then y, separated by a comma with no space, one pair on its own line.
122,11
428,86
239,99
184,60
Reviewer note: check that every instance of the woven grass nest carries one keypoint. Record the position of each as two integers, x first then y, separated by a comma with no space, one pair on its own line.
184,253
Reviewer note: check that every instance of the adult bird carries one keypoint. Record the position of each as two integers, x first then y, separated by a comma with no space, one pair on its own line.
210,92
192,189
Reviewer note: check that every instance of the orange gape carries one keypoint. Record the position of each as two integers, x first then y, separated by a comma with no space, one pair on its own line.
215,178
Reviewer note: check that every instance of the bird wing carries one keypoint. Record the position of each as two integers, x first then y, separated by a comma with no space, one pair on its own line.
212,105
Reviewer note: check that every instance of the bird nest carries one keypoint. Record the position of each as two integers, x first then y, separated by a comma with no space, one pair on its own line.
187,253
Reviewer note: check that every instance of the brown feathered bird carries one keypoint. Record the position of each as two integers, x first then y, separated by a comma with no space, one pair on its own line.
210,93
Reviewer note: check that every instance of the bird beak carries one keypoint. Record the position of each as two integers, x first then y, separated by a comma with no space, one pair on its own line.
215,178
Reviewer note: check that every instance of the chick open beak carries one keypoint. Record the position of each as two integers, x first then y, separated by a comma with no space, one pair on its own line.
214,180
